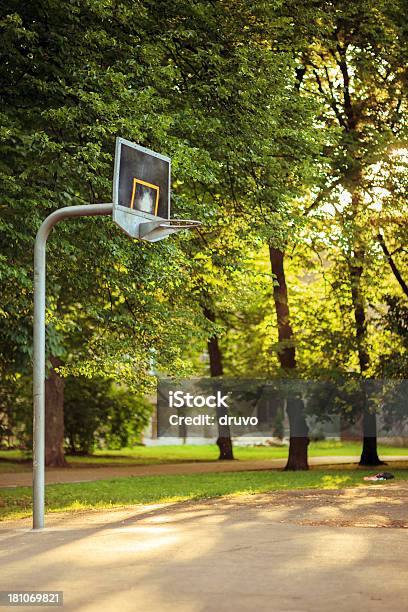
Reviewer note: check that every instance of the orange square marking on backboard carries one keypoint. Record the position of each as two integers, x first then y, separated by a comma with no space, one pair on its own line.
146,184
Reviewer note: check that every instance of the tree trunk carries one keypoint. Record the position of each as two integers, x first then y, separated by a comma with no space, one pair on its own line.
224,441
286,352
369,455
299,439
356,271
54,418
297,458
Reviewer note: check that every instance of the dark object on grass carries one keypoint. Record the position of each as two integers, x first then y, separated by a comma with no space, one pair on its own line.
380,476
385,475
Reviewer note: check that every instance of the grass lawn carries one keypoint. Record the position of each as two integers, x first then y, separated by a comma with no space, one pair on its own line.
17,461
16,503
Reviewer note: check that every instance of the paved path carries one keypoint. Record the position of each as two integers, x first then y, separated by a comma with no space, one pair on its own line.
55,475
300,551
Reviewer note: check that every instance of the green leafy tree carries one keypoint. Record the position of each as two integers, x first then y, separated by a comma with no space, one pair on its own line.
99,413
72,78
351,58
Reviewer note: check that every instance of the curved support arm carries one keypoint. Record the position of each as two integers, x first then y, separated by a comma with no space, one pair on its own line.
89,210
69,212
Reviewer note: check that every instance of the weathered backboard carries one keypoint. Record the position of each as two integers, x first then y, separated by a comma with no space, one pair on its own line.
141,187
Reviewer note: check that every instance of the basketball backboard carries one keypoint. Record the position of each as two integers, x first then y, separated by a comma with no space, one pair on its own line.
141,193
141,186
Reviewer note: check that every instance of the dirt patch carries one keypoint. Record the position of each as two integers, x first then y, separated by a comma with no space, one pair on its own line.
380,506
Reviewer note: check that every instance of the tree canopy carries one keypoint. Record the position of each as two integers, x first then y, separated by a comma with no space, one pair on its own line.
286,125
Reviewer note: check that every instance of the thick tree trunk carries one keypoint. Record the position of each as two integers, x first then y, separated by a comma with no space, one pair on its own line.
224,441
299,439
297,458
369,455
54,418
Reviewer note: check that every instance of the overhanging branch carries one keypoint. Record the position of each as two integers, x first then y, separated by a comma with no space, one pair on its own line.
392,265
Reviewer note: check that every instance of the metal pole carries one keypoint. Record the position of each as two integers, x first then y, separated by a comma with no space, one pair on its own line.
89,210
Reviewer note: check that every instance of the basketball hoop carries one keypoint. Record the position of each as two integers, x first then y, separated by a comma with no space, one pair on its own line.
141,208
157,230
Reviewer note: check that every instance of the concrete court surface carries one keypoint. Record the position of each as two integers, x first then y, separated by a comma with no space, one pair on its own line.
294,551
